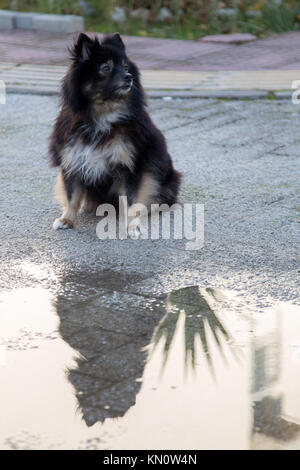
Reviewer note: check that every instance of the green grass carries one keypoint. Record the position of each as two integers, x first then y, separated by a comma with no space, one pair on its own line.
187,30
272,21
277,20
282,19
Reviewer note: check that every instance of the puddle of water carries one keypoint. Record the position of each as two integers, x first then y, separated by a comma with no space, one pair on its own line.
119,371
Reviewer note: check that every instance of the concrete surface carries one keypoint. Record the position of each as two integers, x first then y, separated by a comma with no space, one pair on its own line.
43,22
277,52
24,20
58,23
108,298
7,20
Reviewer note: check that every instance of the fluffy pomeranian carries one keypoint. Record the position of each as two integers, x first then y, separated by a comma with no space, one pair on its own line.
104,141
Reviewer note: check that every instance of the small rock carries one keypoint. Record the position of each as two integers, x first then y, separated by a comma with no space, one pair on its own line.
118,14
141,14
164,14
86,9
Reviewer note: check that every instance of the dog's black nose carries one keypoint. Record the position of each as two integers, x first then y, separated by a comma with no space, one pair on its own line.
128,77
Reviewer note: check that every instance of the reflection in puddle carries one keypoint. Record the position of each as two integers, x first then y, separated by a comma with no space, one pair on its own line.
188,370
275,387
190,310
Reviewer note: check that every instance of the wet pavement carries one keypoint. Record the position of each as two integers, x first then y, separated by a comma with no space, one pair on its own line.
186,371
142,344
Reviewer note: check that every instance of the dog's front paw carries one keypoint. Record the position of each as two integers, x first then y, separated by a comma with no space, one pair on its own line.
134,231
62,223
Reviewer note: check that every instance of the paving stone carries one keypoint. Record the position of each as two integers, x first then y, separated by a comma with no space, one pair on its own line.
237,38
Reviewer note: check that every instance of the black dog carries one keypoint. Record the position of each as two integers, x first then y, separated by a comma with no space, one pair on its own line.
104,141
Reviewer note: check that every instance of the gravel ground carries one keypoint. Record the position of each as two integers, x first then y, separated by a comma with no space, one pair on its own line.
239,158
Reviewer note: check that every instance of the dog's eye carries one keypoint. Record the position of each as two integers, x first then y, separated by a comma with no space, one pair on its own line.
105,68
126,68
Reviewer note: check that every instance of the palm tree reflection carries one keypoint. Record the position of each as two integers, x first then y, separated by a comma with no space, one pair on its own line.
199,321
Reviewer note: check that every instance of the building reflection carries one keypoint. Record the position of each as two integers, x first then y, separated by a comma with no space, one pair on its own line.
269,425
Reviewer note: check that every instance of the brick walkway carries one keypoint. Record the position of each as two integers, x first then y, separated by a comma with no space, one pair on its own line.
279,52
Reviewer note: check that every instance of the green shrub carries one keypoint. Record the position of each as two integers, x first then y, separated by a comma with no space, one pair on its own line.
191,18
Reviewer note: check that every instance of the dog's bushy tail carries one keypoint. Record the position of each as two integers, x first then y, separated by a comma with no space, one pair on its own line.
170,189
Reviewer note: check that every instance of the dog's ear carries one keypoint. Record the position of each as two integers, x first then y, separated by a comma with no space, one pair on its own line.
118,40
82,47
115,40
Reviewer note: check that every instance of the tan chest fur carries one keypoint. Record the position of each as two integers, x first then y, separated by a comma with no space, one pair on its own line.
93,161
